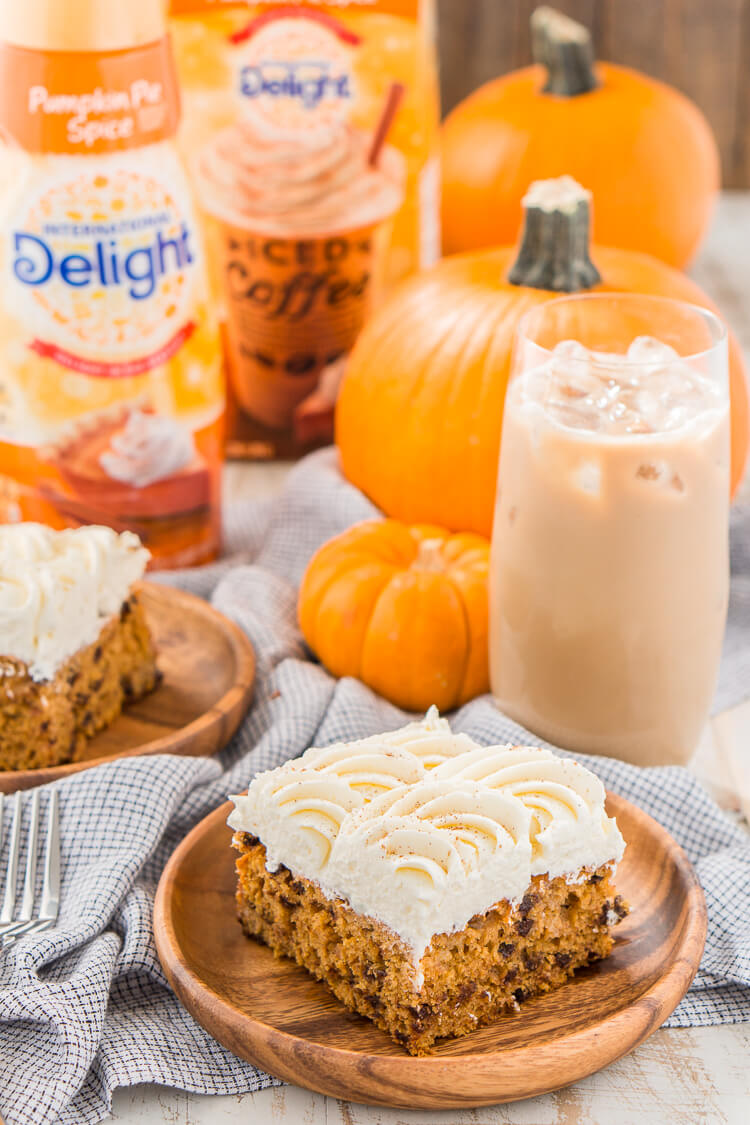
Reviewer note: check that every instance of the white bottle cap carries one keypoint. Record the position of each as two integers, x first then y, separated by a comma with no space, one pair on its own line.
81,25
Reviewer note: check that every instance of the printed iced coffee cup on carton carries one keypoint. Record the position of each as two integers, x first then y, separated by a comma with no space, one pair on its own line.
282,100
300,226
111,396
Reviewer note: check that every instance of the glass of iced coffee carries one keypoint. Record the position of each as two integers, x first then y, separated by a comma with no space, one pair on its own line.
610,556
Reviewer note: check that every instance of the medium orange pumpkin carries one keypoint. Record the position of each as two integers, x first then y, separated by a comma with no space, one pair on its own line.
646,153
404,609
420,410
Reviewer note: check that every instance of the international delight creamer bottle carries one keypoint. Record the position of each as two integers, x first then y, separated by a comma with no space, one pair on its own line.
111,395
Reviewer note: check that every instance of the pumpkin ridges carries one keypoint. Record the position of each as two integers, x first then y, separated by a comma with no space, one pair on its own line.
396,466
472,595
524,135
458,425
342,620
404,629
411,599
362,550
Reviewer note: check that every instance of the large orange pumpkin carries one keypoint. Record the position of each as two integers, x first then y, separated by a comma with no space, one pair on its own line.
404,609
421,406
646,153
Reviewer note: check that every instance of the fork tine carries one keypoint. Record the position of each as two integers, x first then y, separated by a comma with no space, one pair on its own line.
51,888
29,883
9,900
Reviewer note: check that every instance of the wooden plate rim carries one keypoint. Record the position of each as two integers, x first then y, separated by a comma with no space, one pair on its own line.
520,1073
230,708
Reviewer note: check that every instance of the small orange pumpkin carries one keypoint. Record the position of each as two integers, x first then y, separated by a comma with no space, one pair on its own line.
404,609
420,412
646,153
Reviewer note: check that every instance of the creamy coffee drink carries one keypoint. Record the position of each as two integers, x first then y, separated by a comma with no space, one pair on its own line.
610,566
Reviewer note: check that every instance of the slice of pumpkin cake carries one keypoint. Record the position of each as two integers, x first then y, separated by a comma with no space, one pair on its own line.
430,882
74,643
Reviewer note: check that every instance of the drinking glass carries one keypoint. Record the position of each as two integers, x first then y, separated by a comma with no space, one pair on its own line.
610,552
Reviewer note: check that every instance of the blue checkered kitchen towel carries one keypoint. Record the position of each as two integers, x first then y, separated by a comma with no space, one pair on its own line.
86,1008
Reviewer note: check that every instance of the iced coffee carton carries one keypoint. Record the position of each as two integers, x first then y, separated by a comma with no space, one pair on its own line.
311,130
111,388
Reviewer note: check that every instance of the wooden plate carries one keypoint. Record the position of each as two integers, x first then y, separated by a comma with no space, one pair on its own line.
273,1014
209,670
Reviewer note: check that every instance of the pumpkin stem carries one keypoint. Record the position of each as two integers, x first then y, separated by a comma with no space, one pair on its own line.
565,48
554,250
430,554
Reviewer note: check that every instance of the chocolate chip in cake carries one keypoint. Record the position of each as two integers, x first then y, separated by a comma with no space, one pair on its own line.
527,902
524,925
466,990
505,948
423,1012
619,907
604,914
248,841
97,654
532,961
510,976
563,960
519,995
595,879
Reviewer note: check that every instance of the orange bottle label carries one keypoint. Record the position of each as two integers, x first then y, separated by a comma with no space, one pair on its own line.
88,103
112,395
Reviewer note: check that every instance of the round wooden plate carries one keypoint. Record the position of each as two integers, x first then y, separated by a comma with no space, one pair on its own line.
273,1014
208,666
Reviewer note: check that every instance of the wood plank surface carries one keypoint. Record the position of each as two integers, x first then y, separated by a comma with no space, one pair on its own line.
700,46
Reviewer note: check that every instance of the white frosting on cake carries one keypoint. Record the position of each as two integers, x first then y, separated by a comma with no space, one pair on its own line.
422,829
569,826
58,589
426,858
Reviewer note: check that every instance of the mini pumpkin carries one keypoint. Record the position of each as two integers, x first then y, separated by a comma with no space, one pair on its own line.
645,151
420,412
404,609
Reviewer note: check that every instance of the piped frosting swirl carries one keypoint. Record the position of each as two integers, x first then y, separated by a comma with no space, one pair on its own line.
58,588
422,829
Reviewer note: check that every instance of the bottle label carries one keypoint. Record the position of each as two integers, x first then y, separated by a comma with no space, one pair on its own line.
87,102
101,265
111,393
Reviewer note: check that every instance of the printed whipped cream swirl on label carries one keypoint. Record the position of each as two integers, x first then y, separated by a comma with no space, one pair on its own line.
294,71
149,448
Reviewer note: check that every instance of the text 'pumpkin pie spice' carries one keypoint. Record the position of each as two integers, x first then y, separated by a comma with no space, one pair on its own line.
112,383
433,884
74,643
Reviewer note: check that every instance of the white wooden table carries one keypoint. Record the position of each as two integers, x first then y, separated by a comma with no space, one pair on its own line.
695,1076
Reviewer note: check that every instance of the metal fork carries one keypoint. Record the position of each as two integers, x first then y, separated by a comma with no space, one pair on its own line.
30,918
